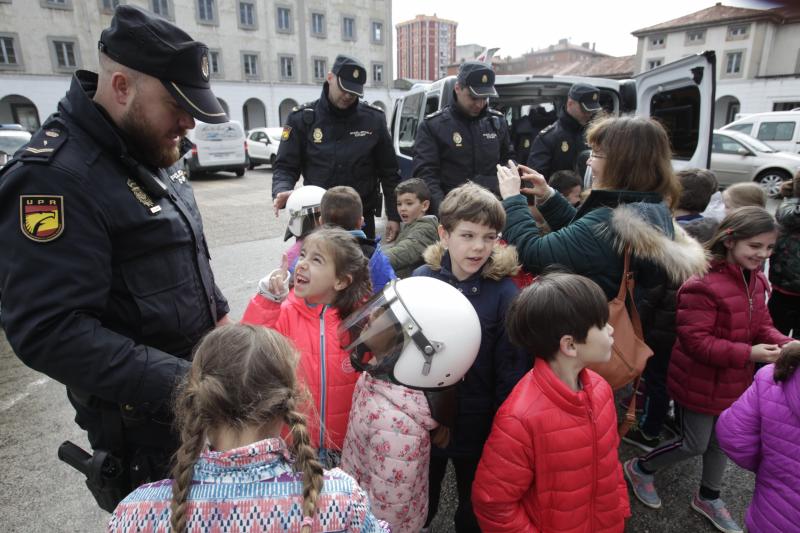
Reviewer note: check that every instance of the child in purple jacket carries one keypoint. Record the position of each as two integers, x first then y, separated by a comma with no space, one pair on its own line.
761,432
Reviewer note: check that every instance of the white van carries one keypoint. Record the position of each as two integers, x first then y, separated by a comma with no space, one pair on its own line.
779,129
680,94
216,147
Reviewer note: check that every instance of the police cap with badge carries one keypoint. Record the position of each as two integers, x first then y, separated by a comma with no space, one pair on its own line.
350,74
154,46
587,95
478,77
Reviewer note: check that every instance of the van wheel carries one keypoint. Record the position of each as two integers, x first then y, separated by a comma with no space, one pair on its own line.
239,172
272,161
251,165
771,180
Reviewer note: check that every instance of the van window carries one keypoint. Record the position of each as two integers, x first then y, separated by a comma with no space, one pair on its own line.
431,104
678,111
745,128
409,121
776,131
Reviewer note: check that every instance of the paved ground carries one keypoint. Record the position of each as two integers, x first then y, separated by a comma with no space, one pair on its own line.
39,493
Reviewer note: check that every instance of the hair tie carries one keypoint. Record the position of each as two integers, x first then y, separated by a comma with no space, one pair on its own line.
307,521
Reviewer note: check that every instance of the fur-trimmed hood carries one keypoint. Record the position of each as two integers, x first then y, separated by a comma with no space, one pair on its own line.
680,257
502,263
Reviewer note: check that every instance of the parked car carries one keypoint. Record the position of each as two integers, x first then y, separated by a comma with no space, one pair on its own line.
216,147
779,129
262,145
12,138
738,157
680,94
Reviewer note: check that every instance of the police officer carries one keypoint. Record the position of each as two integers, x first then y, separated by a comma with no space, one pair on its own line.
559,146
107,284
339,140
464,141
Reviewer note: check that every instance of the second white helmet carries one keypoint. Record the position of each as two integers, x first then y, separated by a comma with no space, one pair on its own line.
419,332
303,207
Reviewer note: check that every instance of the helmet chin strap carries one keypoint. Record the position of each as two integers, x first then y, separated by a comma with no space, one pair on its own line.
426,347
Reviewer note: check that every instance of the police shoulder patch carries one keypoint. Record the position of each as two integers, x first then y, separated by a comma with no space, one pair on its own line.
41,216
287,130
44,144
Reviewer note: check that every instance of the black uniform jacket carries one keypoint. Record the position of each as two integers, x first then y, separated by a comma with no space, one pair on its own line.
452,148
558,146
103,287
331,146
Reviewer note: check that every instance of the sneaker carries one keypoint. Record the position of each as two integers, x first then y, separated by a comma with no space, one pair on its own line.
641,440
717,513
641,484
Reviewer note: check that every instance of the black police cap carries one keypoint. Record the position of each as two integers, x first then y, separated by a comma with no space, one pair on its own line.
350,74
479,77
587,95
154,46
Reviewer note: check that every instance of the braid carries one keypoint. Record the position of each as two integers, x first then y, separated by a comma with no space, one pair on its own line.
192,440
787,363
306,460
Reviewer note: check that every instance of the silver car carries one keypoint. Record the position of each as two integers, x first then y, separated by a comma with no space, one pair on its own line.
737,157
12,138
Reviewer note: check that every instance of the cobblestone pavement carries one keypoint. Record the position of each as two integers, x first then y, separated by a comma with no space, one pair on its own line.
39,493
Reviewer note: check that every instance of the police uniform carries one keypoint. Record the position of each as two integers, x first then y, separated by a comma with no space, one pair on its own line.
560,145
452,147
331,146
107,285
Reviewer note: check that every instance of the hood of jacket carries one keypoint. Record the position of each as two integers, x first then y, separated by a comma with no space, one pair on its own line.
408,401
658,240
502,263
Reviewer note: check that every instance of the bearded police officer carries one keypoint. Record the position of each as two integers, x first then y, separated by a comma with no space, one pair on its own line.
106,285
560,145
464,141
339,140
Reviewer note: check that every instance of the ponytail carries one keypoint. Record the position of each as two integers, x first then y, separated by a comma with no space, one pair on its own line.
306,462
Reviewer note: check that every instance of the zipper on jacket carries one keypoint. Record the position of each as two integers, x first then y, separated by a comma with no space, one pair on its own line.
749,301
594,458
322,395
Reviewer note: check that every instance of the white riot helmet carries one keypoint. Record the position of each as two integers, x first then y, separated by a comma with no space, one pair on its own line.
419,332
303,208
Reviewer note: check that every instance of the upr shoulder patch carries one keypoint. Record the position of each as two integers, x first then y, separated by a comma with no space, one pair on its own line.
41,217
287,130
44,144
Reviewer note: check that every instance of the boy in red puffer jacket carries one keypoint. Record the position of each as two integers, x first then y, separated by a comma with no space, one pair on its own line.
551,461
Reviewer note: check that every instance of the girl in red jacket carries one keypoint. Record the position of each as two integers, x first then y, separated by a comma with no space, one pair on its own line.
331,279
723,328
551,461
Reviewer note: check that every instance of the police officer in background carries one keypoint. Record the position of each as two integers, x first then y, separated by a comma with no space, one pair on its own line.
559,146
464,141
339,140
106,283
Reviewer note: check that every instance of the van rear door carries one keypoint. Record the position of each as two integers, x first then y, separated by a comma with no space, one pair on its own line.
681,95
220,144
408,113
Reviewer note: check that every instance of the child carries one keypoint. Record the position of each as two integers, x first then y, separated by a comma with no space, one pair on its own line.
303,207
419,230
568,183
743,195
723,328
761,432
697,187
551,461
470,258
232,470
341,206
784,267
387,447
330,281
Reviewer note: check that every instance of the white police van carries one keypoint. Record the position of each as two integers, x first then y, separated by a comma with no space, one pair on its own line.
679,94
216,147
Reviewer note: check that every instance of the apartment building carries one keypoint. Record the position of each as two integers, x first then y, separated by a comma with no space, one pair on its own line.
266,56
425,46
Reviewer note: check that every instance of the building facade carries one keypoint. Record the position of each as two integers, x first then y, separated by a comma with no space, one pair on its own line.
266,56
758,55
425,46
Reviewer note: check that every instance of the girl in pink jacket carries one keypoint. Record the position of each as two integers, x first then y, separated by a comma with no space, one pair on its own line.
331,279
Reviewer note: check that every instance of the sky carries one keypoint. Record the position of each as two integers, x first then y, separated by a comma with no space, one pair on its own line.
518,26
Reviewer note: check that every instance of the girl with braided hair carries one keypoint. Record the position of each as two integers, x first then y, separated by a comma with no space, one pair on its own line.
232,470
